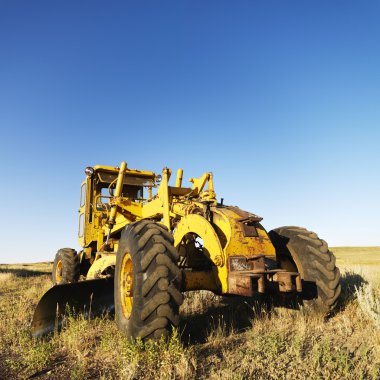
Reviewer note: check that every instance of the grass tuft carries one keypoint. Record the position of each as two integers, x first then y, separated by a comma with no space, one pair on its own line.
369,302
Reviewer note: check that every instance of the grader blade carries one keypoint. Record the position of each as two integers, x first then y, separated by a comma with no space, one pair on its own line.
92,297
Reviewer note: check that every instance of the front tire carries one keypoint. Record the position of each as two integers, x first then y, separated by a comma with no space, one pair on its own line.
147,282
302,251
66,267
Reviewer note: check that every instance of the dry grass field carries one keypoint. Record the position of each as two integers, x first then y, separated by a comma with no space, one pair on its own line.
217,339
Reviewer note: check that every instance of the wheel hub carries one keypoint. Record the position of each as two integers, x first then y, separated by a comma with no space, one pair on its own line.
58,271
126,285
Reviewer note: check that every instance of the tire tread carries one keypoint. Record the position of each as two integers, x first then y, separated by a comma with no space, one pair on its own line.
156,302
317,262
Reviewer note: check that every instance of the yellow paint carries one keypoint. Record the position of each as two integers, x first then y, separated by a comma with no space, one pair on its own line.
58,271
178,182
182,210
126,285
237,244
201,227
102,262
164,193
119,185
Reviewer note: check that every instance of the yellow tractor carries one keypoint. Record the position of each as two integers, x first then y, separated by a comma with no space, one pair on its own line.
145,242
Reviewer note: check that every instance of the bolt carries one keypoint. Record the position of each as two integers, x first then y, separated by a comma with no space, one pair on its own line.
218,260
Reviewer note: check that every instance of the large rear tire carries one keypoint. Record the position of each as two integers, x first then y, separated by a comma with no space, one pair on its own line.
301,250
147,282
66,267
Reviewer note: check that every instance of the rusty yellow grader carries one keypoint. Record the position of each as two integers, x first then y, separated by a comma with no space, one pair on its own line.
145,242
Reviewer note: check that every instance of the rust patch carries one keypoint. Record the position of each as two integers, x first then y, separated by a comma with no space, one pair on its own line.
247,276
249,229
287,281
240,285
244,214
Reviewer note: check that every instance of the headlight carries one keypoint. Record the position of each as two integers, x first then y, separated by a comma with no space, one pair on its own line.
158,178
89,171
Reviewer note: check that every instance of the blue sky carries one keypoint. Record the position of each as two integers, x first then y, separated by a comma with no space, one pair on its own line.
279,99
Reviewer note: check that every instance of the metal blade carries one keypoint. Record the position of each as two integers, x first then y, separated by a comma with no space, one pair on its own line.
93,297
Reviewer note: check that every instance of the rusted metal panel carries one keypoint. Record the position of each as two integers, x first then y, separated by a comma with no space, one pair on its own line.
247,276
239,263
261,284
240,285
245,215
244,234
249,229
197,280
287,281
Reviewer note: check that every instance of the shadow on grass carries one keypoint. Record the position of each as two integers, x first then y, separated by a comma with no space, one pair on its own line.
25,272
238,314
234,315
350,281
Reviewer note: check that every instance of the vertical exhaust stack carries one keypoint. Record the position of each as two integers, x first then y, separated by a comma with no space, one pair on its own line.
178,182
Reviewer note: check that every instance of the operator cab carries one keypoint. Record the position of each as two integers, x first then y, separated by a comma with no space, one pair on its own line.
105,184
98,189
